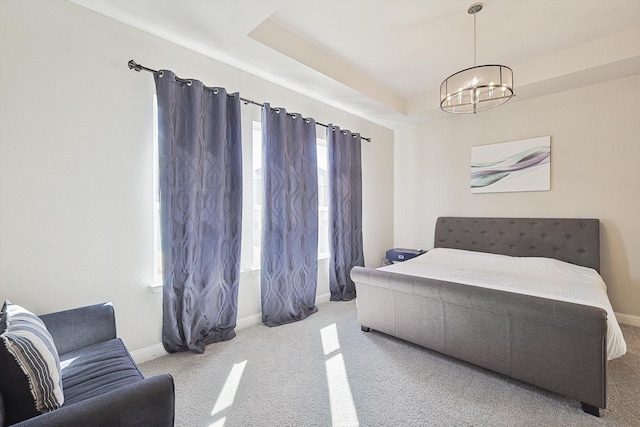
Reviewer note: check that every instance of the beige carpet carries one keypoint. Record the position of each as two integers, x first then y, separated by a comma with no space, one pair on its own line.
324,371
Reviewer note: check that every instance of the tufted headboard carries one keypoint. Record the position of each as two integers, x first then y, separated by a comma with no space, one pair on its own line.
576,241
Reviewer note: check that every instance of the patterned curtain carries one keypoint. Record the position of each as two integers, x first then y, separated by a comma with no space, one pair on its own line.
345,211
200,171
289,257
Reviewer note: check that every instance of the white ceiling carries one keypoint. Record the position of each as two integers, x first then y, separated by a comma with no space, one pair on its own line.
384,60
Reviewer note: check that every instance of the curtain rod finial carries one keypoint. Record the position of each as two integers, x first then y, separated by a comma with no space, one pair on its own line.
133,66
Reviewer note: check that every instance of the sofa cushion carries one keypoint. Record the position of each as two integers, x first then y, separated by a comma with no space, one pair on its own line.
97,369
31,378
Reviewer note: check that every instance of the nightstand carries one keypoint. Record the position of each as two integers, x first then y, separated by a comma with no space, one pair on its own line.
402,254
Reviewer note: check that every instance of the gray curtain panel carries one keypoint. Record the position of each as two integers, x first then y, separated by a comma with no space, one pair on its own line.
345,211
289,256
200,171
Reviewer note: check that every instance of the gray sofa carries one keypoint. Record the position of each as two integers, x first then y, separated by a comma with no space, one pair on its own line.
555,345
101,383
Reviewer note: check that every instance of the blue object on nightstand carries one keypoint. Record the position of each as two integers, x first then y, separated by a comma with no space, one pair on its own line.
402,254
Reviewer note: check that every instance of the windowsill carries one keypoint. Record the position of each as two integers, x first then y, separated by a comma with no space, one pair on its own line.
156,288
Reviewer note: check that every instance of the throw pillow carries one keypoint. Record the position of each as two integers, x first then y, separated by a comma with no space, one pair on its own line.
30,380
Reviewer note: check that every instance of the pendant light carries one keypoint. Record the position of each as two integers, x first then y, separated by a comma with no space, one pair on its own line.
478,88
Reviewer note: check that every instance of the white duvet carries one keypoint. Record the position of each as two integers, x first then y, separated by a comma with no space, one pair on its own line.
540,277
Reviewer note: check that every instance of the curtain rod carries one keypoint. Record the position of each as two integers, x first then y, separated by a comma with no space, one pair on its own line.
137,67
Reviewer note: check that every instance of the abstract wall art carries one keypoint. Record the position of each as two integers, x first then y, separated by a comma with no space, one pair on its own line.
523,165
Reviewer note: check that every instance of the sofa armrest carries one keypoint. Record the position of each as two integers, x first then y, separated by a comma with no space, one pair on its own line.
81,327
150,402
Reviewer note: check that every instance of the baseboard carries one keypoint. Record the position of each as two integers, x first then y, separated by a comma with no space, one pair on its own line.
323,298
628,319
148,353
256,319
247,321
157,350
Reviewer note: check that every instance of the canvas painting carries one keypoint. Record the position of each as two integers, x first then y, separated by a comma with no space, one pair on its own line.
523,165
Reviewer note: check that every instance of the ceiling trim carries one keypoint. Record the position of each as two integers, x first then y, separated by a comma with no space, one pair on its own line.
281,39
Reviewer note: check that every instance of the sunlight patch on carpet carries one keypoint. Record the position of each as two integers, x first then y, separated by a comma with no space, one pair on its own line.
228,393
219,423
343,410
330,342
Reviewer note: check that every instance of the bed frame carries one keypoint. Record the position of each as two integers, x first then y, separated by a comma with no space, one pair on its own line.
554,345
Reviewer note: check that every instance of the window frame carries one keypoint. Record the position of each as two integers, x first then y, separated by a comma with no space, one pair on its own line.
157,245
250,258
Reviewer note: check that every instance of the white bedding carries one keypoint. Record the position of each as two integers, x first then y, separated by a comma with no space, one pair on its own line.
541,277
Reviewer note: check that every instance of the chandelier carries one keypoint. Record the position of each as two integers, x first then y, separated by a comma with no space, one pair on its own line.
478,88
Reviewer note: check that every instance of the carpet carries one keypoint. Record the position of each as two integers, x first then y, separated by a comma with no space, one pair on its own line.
324,371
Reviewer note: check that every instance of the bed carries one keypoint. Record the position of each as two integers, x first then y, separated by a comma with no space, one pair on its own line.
555,344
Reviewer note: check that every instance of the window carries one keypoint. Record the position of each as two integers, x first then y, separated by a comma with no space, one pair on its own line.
157,248
323,196
323,200
257,193
254,241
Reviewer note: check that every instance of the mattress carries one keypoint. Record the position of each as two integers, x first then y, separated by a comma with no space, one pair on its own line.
535,276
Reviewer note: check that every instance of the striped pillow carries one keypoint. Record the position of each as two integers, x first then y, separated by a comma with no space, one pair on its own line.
29,359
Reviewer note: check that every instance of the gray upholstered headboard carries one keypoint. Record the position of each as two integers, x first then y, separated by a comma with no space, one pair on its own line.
571,240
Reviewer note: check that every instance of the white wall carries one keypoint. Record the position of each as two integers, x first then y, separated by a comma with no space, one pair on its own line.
76,162
595,150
